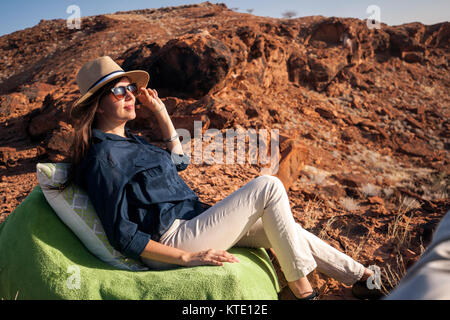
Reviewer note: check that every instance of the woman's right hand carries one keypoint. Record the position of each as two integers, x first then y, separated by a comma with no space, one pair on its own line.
210,257
149,99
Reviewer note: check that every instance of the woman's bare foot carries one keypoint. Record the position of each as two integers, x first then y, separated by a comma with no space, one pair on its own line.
361,290
301,288
367,273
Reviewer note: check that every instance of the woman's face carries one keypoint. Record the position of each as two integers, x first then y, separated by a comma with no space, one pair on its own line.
113,111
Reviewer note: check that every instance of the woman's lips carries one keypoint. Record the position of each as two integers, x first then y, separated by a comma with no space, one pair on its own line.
129,107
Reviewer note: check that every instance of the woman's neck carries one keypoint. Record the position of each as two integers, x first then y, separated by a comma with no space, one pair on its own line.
119,130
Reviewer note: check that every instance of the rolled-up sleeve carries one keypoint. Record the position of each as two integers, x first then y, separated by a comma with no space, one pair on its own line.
128,239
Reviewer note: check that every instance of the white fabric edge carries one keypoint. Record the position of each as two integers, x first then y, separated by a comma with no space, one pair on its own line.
76,224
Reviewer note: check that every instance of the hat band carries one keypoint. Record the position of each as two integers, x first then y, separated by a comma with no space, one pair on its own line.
106,78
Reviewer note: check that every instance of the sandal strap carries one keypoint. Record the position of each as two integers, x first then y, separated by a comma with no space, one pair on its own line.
313,296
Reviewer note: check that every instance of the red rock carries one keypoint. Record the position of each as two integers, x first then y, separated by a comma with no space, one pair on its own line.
46,120
357,102
353,120
350,179
376,200
413,122
298,68
313,71
350,134
188,122
326,113
412,56
367,123
334,191
383,133
12,104
61,139
190,66
418,148
292,160
221,117
38,91
324,70
8,156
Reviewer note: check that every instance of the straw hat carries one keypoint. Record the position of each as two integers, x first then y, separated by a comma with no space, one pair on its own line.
97,73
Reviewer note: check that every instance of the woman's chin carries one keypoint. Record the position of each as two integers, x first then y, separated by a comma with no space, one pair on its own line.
131,115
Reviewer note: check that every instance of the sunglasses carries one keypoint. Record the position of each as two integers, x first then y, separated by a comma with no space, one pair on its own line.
121,92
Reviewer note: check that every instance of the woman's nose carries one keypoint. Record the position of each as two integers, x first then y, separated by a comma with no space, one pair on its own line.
129,95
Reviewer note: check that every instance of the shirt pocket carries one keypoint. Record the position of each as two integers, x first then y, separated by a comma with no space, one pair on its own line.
154,177
151,169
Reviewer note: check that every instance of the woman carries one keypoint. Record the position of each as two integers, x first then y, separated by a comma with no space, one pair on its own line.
150,213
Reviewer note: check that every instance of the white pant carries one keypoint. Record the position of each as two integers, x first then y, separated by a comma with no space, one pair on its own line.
258,215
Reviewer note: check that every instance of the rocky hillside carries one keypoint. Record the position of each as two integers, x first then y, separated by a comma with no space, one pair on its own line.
364,127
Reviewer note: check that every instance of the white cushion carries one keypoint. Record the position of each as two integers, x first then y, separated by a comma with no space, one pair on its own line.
75,209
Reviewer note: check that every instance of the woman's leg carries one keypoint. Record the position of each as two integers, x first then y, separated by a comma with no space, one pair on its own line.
263,202
330,261
225,223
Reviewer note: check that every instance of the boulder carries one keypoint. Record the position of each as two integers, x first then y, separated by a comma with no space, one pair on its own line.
351,180
293,155
45,119
313,71
189,66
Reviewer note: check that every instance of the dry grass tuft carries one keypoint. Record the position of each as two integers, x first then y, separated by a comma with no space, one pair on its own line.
438,188
392,274
387,192
323,234
318,178
310,215
407,204
370,190
349,204
354,252
399,235
398,230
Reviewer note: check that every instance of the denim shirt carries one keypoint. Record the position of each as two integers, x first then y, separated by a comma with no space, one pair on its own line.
135,189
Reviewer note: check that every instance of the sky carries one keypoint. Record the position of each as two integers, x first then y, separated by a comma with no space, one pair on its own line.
20,14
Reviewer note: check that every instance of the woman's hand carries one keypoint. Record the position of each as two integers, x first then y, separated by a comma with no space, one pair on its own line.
149,99
208,257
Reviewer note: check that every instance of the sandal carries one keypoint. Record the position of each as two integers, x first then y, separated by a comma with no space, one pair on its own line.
313,296
287,294
361,291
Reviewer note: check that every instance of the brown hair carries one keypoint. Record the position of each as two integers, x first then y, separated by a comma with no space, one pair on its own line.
84,118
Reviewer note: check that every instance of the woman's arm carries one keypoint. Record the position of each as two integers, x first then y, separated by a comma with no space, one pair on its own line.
160,252
155,250
174,147
150,100
168,130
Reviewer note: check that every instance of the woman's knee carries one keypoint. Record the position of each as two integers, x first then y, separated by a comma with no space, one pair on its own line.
274,185
275,181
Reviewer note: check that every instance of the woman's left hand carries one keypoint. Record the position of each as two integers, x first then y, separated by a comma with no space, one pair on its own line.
149,99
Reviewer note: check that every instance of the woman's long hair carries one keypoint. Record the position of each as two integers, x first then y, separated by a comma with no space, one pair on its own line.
84,118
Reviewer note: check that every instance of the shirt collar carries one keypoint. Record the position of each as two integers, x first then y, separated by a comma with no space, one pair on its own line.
97,133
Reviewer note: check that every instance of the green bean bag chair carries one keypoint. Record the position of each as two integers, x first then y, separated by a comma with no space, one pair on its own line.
41,258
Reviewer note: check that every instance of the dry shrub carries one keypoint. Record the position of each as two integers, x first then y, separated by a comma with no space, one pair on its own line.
310,214
399,235
370,190
349,204
392,274
328,225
